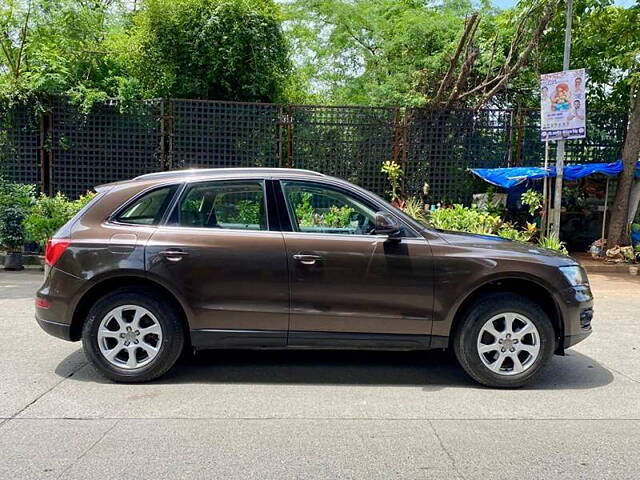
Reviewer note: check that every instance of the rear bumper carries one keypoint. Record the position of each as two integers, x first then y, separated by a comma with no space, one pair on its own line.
60,330
58,291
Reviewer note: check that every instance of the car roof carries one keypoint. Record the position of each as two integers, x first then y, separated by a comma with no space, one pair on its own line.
225,172
215,173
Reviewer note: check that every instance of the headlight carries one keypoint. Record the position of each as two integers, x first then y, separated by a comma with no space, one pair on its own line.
575,275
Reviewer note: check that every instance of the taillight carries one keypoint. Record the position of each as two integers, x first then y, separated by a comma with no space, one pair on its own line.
42,303
55,248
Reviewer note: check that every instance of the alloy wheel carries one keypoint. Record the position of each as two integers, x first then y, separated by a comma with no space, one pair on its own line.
508,343
129,337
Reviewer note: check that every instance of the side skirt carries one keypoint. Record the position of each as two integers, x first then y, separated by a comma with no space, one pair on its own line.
203,339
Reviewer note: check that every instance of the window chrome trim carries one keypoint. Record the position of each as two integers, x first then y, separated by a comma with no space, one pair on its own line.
180,228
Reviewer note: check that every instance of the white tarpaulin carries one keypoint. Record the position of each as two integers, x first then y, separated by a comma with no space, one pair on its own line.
562,105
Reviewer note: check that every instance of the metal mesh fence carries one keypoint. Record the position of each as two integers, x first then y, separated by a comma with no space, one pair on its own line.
605,134
65,150
442,145
102,147
346,142
223,134
20,146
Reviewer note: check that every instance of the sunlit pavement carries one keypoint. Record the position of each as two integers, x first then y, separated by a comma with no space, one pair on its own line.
278,415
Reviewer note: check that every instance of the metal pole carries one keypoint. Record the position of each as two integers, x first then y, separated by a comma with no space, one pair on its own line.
557,202
604,214
545,192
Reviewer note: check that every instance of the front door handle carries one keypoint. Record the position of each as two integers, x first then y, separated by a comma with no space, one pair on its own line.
173,254
307,259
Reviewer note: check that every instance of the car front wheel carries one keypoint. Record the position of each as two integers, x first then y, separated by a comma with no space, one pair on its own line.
132,335
504,341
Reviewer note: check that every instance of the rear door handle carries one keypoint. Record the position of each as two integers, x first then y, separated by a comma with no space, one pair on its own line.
307,259
173,254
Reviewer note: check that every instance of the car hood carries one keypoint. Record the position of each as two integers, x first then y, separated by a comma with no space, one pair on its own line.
496,247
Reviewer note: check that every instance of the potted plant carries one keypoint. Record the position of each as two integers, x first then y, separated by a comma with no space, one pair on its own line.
630,256
12,236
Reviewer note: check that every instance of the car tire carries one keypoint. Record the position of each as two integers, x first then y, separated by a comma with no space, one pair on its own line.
147,330
485,347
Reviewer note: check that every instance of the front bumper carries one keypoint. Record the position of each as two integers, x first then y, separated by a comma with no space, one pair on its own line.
577,313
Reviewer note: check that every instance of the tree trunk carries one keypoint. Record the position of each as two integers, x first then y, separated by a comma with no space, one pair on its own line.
618,225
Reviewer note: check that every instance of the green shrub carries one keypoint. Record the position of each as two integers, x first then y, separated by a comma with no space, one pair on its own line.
49,214
552,242
509,232
304,209
247,212
338,217
464,219
16,195
15,201
472,220
12,233
415,209
533,200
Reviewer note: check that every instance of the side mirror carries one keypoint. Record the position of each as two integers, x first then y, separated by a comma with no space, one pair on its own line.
387,225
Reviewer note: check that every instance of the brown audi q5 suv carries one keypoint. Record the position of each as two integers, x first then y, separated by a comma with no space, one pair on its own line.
280,258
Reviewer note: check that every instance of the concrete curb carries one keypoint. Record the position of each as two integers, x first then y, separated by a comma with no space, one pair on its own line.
28,260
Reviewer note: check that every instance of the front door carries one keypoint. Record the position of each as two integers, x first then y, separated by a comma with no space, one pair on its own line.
217,251
350,286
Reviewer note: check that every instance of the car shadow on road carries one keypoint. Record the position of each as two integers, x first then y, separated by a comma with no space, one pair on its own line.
431,370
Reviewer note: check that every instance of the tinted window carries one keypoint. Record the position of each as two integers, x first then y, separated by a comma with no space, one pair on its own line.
149,208
321,209
233,205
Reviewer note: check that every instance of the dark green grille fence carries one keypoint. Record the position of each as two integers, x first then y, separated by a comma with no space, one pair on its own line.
22,143
65,150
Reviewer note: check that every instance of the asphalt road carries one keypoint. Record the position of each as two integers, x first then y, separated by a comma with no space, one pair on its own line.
330,415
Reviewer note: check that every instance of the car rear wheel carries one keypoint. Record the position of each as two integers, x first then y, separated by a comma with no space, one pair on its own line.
133,335
504,341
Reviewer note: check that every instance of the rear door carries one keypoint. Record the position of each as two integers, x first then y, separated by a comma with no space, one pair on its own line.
349,286
217,250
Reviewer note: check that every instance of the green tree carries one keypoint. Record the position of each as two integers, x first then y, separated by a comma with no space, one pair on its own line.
60,47
603,39
92,50
218,49
413,52
371,52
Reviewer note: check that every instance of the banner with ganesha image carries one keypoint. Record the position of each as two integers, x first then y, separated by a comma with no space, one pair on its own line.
562,105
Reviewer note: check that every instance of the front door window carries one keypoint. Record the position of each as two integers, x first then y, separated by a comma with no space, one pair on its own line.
321,209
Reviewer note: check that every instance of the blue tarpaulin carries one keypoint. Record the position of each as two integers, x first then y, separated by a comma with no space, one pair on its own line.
510,177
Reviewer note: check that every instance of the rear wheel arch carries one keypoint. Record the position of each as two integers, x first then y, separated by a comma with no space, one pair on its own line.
524,287
107,285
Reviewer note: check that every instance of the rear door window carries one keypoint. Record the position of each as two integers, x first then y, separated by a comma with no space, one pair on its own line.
236,205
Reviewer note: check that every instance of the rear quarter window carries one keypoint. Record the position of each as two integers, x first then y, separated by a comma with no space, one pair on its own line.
149,208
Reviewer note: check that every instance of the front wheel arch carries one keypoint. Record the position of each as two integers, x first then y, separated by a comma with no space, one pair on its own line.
526,288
